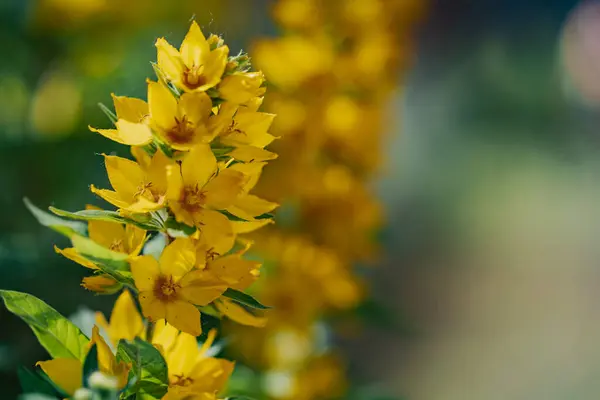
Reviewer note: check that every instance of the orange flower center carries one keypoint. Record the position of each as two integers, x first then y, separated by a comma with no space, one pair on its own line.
165,289
193,77
144,189
182,380
182,131
117,245
192,198
211,254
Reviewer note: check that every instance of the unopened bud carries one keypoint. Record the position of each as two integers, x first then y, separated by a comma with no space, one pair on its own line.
83,394
99,380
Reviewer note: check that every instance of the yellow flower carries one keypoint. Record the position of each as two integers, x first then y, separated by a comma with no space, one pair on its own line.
195,67
192,374
103,283
198,188
180,123
132,122
136,190
126,239
125,320
242,87
67,373
244,128
170,288
247,206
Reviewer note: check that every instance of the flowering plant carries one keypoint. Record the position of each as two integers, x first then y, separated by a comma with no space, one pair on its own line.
171,246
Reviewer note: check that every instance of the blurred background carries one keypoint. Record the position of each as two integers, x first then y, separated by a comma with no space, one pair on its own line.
491,186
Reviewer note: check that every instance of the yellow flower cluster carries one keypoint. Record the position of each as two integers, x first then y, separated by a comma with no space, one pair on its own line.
334,71
198,146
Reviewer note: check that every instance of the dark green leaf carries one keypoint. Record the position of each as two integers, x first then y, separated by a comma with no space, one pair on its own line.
59,336
90,365
244,299
143,221
176,229
64,227
37,396
147,366
37,382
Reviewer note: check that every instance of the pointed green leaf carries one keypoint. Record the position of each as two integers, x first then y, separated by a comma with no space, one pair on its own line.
244,299
108,112
143,221
37,382
64,227
59,336
110,262
147,365
90,365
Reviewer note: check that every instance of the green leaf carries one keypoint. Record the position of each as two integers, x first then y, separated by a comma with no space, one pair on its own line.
177,229
143,221
36,396
110,262
232,217
108,112
37,382
147,365
64,227
59,336
244,299
90,365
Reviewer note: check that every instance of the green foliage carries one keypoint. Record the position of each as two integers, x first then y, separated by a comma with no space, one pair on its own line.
64,227
141,221
148,367
37,396
244,299
38,382
59,336
90,365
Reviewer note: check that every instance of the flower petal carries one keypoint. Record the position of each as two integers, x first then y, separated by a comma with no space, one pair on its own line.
130,108
198,166
178,257
73,255
163,106
169,61
222,190
133,133
145,271
124,175
67,373
201,287
184,316
194,48
152,308
239,314
251,153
